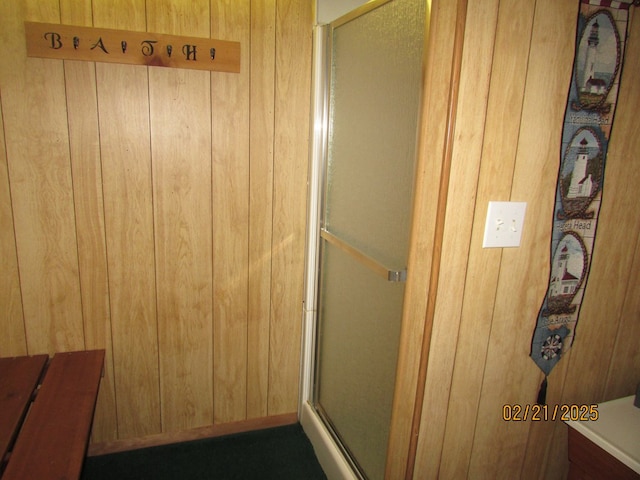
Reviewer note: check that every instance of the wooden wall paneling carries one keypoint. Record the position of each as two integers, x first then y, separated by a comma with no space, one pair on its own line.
13,341
537,446
86,168
87,184
508,75
556,434
12,318
123,102
598,325
92,253
465,163
600,320
622,167
294,21
624,369
510,376
260,203
585,384
37,151
437,60
545,453
76,12
180,112
611,277
230,147
554,463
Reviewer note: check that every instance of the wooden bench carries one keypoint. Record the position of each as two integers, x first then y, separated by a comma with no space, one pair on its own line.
46,412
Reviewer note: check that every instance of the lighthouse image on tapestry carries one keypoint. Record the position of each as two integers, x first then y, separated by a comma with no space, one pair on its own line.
597,61
581,174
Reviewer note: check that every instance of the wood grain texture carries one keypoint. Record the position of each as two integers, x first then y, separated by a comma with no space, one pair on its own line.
38,163
230,149
510,376
263,18
124,132
53,438
82,277
81,43
465,163
123,100
624,368
292,100
13,342
180,113
612,275
529,76
138,213
509,67
86,170
540,441
19,377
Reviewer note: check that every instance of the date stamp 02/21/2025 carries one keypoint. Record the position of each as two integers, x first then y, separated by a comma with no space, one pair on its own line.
541,413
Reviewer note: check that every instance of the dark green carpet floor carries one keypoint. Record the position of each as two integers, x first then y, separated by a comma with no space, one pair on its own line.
277,453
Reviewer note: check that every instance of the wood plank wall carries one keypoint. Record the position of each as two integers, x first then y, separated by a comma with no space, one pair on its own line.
159,213
515,71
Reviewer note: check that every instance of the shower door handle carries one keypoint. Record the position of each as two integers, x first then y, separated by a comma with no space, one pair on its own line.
369,262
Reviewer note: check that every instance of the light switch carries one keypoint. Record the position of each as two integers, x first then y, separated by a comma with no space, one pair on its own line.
504,224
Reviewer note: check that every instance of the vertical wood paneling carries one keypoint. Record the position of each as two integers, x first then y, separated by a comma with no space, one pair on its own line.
137,211
291,150
465,164
86,169
123,100
530,72
148,212
180,112
260,203
510,58
89,209
230,179
135,192
510,376
623,164
601,354
626,354
143,206
547,441
37,148
13,341
594,333
538,443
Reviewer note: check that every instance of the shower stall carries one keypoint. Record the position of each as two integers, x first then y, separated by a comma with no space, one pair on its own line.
367,85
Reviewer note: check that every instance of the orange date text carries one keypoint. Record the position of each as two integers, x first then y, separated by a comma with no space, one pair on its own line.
539,413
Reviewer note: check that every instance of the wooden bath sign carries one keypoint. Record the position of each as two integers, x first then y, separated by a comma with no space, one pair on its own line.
67,42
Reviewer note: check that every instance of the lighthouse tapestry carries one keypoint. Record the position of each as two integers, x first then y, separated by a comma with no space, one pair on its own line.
600,41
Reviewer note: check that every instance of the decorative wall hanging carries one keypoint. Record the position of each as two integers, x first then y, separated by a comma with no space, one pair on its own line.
600,43
67,42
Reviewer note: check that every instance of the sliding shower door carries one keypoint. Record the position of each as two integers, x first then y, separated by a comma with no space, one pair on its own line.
374,89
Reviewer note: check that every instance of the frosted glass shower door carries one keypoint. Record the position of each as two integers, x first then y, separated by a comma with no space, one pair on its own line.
374,90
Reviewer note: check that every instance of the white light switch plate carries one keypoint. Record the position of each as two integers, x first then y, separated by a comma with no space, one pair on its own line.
503,227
